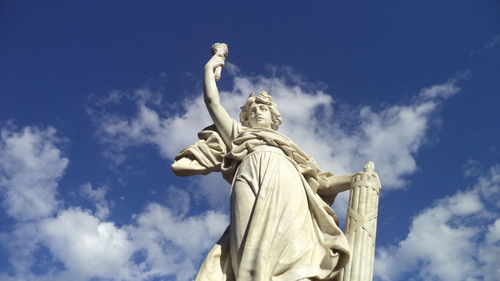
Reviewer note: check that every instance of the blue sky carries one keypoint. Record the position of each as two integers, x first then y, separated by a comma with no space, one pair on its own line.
96,98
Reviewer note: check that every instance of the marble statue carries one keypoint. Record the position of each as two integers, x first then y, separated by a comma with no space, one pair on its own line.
282,227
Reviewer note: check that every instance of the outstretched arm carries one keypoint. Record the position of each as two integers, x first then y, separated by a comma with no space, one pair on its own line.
341,183
221,118
367,177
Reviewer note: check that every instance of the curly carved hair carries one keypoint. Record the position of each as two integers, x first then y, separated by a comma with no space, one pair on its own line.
262,98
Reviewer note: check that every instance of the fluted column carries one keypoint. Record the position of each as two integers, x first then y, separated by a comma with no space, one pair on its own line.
361,224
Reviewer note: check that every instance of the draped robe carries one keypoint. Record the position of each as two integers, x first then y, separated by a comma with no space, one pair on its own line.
280,228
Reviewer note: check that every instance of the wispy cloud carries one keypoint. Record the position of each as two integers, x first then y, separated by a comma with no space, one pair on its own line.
455,239
98,197
493,42
30,167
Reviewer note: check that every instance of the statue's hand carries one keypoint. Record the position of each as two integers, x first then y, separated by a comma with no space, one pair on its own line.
214,62
367,177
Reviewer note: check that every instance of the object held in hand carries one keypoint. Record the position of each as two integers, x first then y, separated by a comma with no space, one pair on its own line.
221,50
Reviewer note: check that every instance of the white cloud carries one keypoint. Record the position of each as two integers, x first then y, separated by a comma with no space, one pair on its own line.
444,90
148,126
178,200
30,167
76,244
170,242
456,239
489,254
390,136
98,196
213,189
87,246
156,244
472,168
81,246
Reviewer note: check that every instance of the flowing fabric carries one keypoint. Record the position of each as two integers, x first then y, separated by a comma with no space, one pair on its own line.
280,228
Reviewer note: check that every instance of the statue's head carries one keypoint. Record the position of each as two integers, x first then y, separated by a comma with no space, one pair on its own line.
260,112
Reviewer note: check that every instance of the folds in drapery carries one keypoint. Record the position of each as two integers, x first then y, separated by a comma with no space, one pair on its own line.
212,154
249,139
203,157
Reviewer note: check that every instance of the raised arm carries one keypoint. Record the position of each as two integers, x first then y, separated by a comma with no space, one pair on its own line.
221,118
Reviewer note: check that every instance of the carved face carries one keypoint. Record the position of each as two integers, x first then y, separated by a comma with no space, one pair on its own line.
259,116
